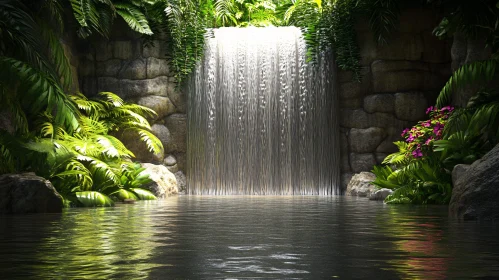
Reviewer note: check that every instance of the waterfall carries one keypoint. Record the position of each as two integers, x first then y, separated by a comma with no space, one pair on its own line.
261,120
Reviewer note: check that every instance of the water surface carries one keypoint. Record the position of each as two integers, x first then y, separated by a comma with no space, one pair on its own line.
244,237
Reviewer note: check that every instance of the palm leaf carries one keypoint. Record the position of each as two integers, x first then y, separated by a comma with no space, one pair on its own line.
468,74
94,199
143,194
134,18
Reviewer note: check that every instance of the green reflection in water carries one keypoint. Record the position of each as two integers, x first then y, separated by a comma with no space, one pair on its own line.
99,244
417,240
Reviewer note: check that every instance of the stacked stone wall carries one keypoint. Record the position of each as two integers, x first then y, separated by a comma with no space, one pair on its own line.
399,81
140,74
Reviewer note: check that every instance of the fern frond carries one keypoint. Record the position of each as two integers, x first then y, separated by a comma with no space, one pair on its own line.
39,92
468,74
154,145
134,17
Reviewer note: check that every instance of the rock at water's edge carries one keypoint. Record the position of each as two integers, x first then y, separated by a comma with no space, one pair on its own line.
164,182
476,189
360,184
28,193
380,195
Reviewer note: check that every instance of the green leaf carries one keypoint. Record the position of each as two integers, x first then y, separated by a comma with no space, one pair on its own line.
123,194
143,194
94,199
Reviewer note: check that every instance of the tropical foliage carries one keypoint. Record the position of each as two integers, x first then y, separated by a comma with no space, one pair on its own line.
49,128
420,171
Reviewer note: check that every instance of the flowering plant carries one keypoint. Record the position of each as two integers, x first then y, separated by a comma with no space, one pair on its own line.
420,137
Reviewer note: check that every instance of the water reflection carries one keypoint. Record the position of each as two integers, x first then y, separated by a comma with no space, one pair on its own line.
248,237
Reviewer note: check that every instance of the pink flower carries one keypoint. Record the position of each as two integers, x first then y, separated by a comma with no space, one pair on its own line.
428,141
448,108
417,153
438,127
404,132
427,123
429,109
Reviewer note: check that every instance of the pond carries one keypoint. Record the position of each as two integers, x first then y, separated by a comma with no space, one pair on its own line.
208,237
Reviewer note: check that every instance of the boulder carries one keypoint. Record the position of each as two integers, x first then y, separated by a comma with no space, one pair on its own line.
365,140
362,162
170,160
360,185
160,104
380,195
164,182
410,106
28,193
476,189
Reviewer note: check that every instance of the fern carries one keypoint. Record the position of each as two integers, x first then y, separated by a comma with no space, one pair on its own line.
134,17
468,74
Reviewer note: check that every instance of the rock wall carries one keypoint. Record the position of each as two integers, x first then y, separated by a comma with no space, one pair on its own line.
139,74
399,81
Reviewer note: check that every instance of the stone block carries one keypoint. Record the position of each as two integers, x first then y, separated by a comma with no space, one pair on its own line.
387,146
109,84
177,124
384,103
402,46
365,140
181,161
358,118
134,70
355,103
410,106
158,49
160,104
178,98
170,160
123,50
103,50
380,157
397,76
157,67
108,68
362,162
162,132
132,89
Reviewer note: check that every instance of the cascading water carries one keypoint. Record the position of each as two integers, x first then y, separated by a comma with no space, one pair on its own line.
260,119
